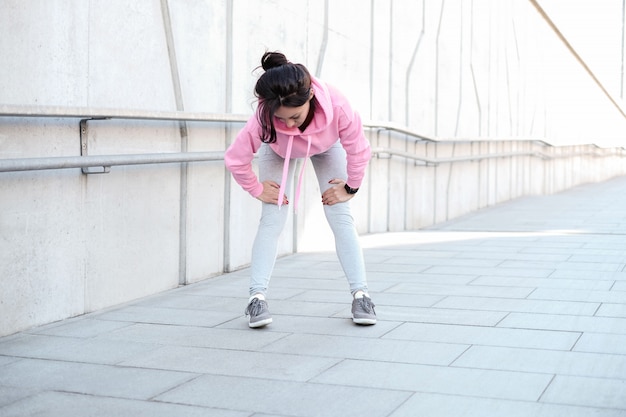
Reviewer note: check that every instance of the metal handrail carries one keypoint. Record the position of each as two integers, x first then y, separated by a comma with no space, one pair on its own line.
387,152
63,112
383,152
183,116
107,161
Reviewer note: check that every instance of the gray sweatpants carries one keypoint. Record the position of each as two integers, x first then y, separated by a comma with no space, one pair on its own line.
328,165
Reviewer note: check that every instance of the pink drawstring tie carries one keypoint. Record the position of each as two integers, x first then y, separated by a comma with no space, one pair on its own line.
283,183
281,191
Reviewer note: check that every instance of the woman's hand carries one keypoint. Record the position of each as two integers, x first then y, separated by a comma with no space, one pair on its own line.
270,193
336,194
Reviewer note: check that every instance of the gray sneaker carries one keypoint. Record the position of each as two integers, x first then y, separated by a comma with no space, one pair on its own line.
258,312
363,311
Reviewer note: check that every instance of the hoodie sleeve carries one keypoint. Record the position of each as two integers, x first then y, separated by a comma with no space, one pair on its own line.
355,143
239,155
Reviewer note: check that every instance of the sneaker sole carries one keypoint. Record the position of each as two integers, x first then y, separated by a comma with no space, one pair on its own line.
364,321
260,323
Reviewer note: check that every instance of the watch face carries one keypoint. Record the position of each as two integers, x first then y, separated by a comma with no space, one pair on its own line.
350,190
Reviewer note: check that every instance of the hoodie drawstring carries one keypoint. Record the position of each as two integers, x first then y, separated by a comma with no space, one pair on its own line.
281,192
301,176
283,182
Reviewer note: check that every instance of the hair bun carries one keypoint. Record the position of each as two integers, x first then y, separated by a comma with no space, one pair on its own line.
273,59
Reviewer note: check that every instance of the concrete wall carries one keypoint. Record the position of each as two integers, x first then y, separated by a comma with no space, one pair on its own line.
466,73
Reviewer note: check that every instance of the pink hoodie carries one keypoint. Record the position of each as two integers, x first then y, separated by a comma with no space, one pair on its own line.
333,120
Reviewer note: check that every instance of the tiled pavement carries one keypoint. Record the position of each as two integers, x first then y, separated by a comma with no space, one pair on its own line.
516,310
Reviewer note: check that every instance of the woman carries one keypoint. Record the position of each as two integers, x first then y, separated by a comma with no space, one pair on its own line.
299,116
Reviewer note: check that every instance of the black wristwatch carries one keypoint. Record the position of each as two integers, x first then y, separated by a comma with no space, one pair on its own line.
350,190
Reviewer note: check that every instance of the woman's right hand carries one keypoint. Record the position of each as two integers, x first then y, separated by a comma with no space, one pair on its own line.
270,193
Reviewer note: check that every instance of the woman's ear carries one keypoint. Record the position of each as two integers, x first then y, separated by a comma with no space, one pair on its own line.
312,93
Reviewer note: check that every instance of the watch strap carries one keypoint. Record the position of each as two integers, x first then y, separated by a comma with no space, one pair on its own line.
350,190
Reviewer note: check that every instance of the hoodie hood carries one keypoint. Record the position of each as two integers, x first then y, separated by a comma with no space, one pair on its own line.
322,119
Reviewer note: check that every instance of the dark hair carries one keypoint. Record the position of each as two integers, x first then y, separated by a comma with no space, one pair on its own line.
282,84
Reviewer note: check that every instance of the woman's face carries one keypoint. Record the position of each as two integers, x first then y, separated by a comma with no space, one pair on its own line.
293,116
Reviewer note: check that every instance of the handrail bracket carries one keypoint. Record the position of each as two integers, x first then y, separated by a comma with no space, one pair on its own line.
84,147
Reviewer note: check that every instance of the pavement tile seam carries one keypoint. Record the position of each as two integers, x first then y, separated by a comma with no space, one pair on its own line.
552,283
614,310
174,387
228,369
264,396
437,405
71,354
443,379
546,388
458,290
553,362
84,326
486,335
574,274
577,295
564,323
586,391
378,349
448,303
16,402
601,343
95,379
121,406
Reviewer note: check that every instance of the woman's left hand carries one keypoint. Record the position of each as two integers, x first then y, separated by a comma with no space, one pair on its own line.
336,194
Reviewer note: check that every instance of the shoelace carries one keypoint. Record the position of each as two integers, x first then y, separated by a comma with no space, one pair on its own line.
367,304
254,308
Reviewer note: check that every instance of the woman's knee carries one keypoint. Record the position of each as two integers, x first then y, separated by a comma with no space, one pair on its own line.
273,218
339,215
